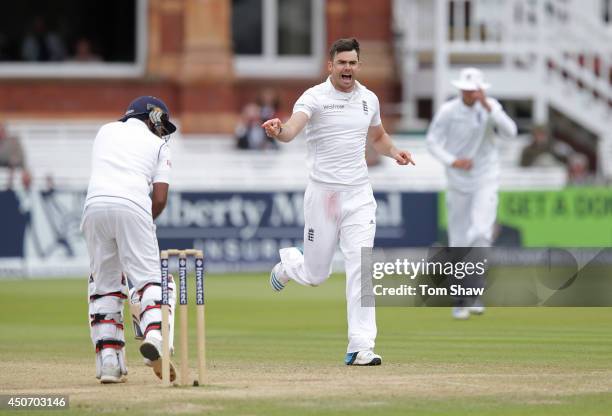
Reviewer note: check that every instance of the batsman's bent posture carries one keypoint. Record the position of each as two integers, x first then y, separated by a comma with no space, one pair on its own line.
462,137
339,207
129,157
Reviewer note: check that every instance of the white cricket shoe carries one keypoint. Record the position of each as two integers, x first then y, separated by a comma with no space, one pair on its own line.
461,313
477,308
110,371
366,357
278,279
151,350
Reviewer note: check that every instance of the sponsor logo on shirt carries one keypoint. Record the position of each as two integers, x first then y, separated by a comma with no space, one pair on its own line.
333,107
365,106
311,234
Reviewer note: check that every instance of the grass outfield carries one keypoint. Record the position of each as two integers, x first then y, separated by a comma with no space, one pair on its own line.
281,354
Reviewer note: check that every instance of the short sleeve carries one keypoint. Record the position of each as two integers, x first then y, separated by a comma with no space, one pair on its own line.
307,104
376,113
164,165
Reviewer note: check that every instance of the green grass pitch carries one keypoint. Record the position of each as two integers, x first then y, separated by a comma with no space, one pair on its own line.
282,354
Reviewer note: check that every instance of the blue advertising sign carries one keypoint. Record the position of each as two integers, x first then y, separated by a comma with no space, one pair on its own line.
238,231
245,230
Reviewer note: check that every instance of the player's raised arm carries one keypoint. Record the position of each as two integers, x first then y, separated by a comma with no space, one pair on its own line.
506,127
383,144
286,132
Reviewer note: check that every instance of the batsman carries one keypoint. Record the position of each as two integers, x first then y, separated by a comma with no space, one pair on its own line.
128,189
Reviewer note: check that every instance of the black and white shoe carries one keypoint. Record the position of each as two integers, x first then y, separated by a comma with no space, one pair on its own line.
150,350
366,357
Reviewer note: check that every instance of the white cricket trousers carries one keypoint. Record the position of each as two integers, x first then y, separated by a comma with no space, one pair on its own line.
347,217
471,216
121,242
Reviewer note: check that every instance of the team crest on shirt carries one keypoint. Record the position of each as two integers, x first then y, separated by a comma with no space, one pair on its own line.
365,106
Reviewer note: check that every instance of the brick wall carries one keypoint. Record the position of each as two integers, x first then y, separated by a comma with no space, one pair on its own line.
191,69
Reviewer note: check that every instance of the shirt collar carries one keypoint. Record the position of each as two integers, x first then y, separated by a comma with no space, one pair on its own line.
343,95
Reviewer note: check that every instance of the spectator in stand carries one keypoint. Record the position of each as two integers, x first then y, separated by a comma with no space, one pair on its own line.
578,172
84,51
12,157
42,45
11,152
268,103
544,151
249,133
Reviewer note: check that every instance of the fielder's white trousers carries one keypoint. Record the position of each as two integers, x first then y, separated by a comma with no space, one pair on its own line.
331,217
471,216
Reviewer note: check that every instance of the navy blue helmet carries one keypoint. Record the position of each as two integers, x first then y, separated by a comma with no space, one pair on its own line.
142,106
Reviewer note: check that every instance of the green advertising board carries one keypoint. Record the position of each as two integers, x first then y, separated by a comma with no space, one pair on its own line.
572,217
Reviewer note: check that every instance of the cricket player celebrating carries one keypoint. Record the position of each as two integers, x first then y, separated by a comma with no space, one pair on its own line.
461,136
339,207
129,157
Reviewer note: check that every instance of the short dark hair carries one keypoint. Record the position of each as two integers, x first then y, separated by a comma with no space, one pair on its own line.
344,45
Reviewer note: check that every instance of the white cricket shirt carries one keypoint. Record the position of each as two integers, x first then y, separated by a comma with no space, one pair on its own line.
336,132
462,132
127,158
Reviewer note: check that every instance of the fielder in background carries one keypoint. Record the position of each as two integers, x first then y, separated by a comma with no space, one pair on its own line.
339,207
130,158
462,137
